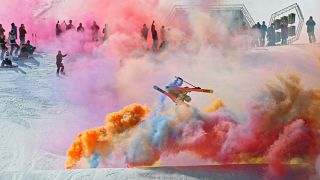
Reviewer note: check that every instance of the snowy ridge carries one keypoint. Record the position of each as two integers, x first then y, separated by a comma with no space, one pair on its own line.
245,172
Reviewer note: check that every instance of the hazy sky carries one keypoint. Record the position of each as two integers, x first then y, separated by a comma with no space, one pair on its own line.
261,10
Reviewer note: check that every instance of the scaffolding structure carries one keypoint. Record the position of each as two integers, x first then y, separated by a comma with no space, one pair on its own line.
285,12
211,8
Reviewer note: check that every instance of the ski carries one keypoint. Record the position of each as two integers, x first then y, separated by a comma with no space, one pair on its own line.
172,97
192,89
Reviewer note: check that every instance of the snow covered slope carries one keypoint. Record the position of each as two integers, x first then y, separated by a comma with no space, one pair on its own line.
28,102
240,172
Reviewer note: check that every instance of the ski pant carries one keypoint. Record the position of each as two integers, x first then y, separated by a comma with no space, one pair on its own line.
284,37
60,68
262,40
312,37
12,48
22,40
155,45
3,50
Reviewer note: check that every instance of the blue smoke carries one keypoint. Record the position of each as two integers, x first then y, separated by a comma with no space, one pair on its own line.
176,83
95,160
160,123
160,130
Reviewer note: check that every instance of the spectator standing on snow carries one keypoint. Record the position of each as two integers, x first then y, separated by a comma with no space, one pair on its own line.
163,33
154,37
271,35
14,29
58,29
13,44
258,28
60,66
63,26
70,26
22,33
80,28
284,33
310,29
105,32
144,32
255,36
263,31
95,31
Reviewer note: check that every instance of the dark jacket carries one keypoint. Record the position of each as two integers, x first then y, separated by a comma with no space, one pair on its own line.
264,29
310,26
155,35
22,32
59,58
14,29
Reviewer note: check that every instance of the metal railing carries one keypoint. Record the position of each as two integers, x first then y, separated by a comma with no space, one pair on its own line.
236,7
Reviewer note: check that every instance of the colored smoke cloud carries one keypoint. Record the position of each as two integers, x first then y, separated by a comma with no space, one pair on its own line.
283,125
245,126
219,136
101,140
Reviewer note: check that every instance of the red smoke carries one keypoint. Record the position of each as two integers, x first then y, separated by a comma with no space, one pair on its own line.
280,130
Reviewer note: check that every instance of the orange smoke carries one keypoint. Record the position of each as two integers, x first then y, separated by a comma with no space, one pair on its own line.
100,139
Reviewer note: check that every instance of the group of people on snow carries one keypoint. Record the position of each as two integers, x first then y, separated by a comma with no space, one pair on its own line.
26,49
261,32
154,35
261,35
94,28
258,34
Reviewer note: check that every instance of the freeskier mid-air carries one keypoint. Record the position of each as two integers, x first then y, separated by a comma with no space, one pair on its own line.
179,94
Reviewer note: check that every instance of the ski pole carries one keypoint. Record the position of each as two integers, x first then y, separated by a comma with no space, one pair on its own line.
185,81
